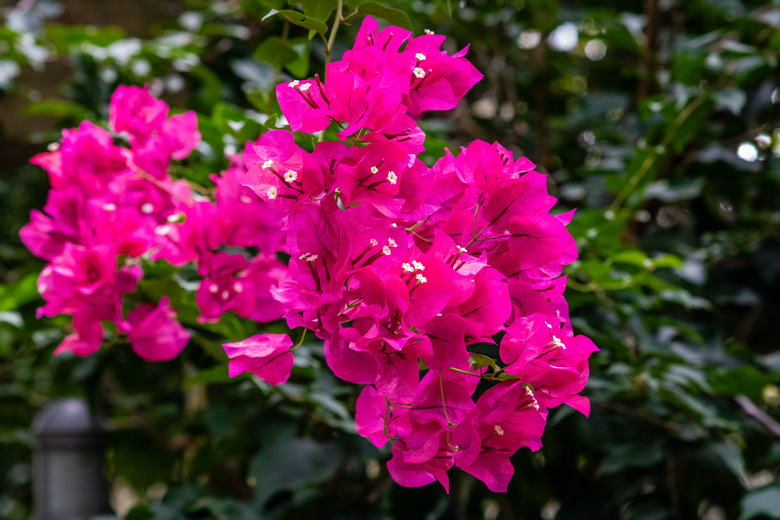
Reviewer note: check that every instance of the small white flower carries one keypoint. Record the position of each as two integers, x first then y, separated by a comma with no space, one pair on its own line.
498,429
267,164
245,199
374,169
290,175
305,86
394,224
386,250
238,287
373,242
294,83
271,193
407,267
392,177
558,343
420,73
225,295
420,56
312,258
53,147
418,266
109,206
213,288
428,31
304,256
173,217
391,242
147,208
421,278
162,230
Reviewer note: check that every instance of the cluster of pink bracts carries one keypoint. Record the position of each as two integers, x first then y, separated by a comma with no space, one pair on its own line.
112,205
397,267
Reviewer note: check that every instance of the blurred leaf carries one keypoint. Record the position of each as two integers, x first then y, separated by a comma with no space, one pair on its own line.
761,502
635,455
275,51
290,463
731,456
744,380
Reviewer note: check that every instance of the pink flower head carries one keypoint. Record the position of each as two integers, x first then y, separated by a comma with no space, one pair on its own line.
134,110
267,356
436,81
280,172
155,334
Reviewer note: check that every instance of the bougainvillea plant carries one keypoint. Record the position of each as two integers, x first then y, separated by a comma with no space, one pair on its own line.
406,273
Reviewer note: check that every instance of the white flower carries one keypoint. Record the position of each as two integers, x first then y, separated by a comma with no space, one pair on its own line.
420,56
238,287
420,73
305,86
109,206
290,175
386,250
392,177
418,266
421,278
267,164
294,83
391,242
498,429
462,249
245,199
147,208
407,267
271,193
214,288
225,295
374,169
373,242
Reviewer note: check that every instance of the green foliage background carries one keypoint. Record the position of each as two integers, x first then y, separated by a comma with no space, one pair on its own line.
659,120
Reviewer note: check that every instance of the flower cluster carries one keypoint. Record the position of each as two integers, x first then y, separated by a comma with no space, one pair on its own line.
404,270
112,205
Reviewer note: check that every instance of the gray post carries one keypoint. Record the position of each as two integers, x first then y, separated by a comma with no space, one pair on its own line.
68,470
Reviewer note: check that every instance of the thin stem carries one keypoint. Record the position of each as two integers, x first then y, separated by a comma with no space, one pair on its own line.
336,24
303,337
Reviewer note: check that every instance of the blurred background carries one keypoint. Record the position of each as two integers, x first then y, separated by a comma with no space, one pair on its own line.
658,120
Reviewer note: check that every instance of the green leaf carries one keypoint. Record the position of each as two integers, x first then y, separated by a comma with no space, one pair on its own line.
764,501
689,122
481,361
275,51
299,66
57,108
394,16
291,463
640,454
301,20
731,456
744,380
318,9
217,374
